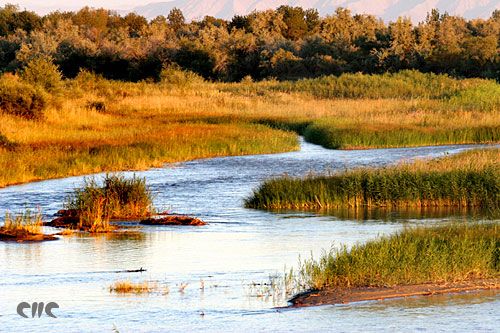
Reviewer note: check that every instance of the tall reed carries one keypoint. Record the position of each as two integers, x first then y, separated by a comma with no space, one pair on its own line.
118,197
450,253
422,184
23,223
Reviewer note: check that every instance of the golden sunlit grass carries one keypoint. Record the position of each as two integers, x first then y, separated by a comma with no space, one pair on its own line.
24,227
144,125
25,223
128,287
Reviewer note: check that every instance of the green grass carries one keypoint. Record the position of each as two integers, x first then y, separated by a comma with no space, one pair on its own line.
407,84
455,252
330,135
467,180
117,197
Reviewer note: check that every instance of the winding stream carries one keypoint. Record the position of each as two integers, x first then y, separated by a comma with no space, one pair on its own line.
238,247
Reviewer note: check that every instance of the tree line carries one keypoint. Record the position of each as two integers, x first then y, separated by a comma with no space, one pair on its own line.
287,43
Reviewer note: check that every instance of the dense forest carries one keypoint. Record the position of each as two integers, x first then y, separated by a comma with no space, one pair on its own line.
287,43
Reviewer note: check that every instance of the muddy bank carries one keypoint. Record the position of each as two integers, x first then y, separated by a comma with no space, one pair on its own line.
180,220
23,236
350,295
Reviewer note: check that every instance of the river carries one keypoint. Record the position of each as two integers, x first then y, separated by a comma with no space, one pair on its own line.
218,262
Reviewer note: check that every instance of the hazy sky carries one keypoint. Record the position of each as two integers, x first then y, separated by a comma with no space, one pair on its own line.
40,4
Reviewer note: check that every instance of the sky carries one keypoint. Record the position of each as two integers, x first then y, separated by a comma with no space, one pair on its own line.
51,4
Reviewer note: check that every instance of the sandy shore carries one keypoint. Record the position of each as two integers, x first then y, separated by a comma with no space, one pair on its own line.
349,295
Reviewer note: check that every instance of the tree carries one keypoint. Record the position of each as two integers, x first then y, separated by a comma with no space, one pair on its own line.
42,72
294,18
135,23
176,18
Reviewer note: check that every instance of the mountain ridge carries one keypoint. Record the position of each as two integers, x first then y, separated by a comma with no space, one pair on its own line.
388,10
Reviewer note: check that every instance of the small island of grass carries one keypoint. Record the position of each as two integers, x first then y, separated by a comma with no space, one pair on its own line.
467,180
23,228
415,261
92,207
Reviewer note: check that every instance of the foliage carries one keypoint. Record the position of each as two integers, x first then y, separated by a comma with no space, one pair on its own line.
133,49
117,198
21,99
43,73
23,223
450,253
174,75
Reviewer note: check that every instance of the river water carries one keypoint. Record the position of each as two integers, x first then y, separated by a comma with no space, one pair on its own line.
219,262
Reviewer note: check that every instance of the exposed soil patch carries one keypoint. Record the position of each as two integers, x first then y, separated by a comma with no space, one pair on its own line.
23,236
67,218
174,220
349,295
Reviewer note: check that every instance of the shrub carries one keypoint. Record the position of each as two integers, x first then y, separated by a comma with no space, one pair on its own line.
20,98
42,72
99,106
174,75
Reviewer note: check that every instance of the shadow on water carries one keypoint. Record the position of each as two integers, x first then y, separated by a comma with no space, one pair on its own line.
385,214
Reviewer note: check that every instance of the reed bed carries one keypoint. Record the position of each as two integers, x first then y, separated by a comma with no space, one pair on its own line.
352,136
467,180
450,253
118,197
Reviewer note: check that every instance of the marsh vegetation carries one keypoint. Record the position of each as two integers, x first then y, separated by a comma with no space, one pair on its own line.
91,207
22,227
467,180
450,253
99,125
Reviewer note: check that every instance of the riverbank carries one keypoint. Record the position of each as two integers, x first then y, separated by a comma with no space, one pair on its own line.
361,294
99,125
416,261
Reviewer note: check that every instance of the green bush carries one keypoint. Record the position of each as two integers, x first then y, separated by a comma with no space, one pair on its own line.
20,98
174,75
43,73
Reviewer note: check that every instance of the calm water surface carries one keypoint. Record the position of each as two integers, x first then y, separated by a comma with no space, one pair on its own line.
238,247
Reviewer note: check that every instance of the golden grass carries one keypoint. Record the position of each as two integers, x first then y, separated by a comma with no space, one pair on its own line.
25,223
145,125
128,287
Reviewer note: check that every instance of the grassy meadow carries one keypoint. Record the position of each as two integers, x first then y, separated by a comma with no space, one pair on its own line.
467,180
450,253
92,125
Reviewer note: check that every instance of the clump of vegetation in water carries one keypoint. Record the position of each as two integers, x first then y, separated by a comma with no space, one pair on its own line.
451,253
128,287
23,227
474,183
117,197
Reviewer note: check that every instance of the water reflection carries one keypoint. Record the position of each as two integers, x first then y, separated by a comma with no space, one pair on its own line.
238,247
394,214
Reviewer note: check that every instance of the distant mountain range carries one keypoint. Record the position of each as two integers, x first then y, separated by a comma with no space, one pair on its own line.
386,9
